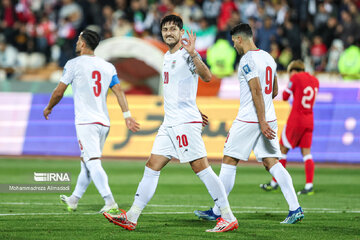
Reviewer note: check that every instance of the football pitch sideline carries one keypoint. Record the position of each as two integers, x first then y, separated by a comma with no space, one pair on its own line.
333,212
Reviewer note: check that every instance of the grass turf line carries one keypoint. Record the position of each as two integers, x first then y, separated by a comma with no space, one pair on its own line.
259,213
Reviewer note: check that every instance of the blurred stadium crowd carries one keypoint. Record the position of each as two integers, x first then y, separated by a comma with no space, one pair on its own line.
35,33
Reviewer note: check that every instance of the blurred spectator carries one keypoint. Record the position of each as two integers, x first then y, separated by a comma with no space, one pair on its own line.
49,26
318,53
66,41
205,37
46,36
328,31
211,10
348,29
72,12
92,12
189,10
8,60
285,56
291,33
221,57
349,62
266,34
337,48
122,28
321,17
227,7
7,19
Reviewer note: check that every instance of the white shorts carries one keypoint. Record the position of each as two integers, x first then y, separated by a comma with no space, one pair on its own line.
183,142
91,138
244,137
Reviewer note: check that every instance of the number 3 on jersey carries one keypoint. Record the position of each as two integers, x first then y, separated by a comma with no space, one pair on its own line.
268,80
97,88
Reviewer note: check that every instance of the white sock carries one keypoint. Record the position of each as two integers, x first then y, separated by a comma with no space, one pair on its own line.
98,175
273,183
308,186
217,192
227,177
144,193
285,182
82,183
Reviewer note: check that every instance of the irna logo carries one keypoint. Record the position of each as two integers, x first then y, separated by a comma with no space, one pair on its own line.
52,177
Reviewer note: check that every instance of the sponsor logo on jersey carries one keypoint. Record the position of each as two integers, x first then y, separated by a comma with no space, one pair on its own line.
173,64
246,69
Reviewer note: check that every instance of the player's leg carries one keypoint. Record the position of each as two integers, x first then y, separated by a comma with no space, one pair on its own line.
273,185
287,141
162,152
227,177
286,185
144,193
309,172
147,185
92,137
268,151
82,183
216,189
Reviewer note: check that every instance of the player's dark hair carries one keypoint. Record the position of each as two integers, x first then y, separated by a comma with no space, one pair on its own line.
243,29
172,19
91,38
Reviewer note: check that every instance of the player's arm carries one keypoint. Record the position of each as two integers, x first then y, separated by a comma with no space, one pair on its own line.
121,98
56,96
201,68
256,92
275,88
289,89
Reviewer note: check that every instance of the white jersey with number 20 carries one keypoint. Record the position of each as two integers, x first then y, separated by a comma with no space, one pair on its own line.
256,63
90,78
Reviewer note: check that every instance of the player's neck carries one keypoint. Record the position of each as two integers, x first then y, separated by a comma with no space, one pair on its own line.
250,47
175,48
87,52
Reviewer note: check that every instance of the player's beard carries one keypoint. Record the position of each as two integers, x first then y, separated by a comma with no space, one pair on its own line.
173,44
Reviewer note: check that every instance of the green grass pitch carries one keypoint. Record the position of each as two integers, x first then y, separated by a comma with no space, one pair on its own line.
333,212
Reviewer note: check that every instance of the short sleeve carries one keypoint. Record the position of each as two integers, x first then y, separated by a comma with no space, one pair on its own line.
115,80
68,73
248,68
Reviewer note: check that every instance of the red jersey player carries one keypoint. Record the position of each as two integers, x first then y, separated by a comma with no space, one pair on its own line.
299,128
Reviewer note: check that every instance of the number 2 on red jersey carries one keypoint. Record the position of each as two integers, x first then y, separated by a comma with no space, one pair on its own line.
268,80
309,95
97,88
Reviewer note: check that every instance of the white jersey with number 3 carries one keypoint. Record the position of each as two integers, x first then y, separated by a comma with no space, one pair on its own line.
180,88
90,78
256,63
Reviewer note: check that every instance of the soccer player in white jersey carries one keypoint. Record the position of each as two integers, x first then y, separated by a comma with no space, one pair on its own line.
91,77
179,136
255,126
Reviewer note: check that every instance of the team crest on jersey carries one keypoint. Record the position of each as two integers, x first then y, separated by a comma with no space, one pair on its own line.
246,69
173,64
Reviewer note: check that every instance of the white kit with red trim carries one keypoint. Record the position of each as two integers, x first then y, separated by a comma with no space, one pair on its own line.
256,63
180,88
90,77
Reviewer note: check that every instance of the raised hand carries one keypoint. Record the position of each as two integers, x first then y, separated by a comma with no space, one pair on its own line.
189,44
